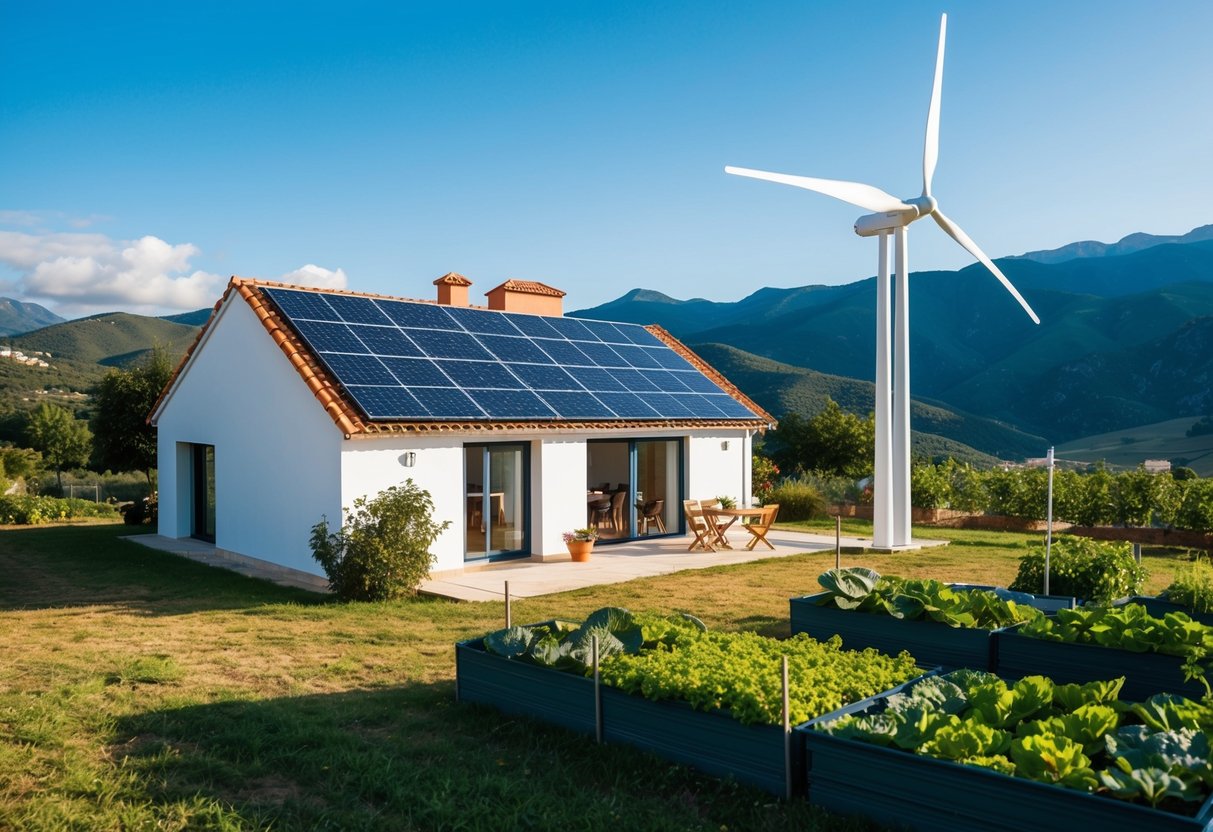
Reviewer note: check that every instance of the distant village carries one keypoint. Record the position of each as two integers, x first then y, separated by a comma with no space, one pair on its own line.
19,357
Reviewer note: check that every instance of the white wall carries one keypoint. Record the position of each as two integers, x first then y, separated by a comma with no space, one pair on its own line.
277,452
557,492
371,465
715,472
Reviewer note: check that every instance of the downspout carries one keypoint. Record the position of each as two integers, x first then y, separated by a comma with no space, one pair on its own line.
746,454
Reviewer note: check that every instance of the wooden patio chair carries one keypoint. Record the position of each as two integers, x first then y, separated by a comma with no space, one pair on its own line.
698,526
761,526
650,515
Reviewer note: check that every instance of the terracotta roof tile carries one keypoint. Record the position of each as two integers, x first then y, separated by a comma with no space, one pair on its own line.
452,279
530,287
351,422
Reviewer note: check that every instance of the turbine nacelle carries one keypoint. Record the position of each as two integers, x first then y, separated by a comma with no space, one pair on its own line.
870,225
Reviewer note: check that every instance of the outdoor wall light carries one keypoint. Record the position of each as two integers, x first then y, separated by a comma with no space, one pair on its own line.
724,446
408,459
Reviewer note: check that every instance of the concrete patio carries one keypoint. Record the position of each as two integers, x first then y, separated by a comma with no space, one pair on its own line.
612,564
609,564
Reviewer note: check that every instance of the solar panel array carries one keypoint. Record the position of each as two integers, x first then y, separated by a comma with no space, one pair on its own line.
419,361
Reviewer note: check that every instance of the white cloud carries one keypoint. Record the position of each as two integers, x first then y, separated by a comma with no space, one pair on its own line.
313,275
79,273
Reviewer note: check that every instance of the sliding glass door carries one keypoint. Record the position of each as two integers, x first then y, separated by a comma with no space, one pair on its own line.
497,489
634,488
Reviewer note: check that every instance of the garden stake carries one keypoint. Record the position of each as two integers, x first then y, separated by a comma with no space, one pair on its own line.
507,605
787,735
837,541
1137,553
597,690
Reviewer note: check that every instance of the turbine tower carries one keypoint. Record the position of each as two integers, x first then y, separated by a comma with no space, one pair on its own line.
891,485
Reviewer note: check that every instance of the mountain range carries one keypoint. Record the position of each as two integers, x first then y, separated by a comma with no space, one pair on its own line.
1126,339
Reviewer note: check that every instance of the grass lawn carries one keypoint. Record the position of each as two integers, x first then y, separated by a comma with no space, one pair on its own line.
143,691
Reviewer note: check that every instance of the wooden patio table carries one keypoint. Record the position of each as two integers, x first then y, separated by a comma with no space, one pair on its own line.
732,515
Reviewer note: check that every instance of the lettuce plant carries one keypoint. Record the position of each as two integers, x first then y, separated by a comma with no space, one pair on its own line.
1080,737
865,590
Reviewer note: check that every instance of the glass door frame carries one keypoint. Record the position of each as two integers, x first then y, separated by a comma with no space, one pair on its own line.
203,493
633,456
486,500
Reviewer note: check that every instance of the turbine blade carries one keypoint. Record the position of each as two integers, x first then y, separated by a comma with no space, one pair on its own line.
956,233
930,146
863,196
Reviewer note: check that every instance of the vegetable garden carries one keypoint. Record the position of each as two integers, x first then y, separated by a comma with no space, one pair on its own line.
1115,733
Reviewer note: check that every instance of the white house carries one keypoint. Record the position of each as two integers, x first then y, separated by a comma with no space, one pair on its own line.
295,401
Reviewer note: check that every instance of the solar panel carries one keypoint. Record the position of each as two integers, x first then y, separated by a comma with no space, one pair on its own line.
382,340
512,404
417,315
438,344
407,360
451,403
357,310
326,337
357,369
481,321
544,377
506,348
417,372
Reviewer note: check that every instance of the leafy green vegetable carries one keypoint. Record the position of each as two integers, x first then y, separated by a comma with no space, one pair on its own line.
1053,759
964,740
511,642
1073,696
740,673
862,589
849,587
1073,736
1151,784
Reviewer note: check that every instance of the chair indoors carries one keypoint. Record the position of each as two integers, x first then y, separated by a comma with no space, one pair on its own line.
600,513
650,515
759,528
617,501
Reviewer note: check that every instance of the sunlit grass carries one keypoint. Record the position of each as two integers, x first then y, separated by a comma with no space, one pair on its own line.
140,690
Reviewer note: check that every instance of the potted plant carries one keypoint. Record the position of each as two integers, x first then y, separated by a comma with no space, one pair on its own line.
580,542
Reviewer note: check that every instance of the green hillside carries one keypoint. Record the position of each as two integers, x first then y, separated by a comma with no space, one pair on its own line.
1132,446
107,339
80,353
972,348
938,431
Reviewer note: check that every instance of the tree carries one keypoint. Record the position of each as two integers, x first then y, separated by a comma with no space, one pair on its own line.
124,399
64,440
833,442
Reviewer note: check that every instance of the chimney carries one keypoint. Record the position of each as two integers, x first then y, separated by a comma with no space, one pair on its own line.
527,296
453,289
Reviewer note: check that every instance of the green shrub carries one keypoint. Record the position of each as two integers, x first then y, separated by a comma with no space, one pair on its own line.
797,499
1196,506
1092,570
28,510
1192,587
383,550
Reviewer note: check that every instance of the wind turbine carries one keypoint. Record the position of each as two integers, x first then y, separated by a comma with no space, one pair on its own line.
891,486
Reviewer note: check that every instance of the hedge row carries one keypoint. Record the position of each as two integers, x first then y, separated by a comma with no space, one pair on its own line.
1099,498
26,510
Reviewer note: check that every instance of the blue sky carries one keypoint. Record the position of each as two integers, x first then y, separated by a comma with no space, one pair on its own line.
149,150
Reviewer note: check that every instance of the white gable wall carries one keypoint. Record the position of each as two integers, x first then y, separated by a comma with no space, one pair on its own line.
277,453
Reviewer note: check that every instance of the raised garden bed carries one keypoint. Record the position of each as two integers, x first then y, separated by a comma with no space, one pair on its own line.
711,739
871,624
930,642
1145,673
852,775
1158,607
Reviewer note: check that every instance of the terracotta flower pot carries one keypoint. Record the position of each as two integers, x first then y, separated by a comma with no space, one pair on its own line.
580,549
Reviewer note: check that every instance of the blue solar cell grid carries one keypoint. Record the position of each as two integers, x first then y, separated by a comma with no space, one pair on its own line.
403,360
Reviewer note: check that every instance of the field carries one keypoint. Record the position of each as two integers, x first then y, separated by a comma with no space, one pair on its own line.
1130,447
142,691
